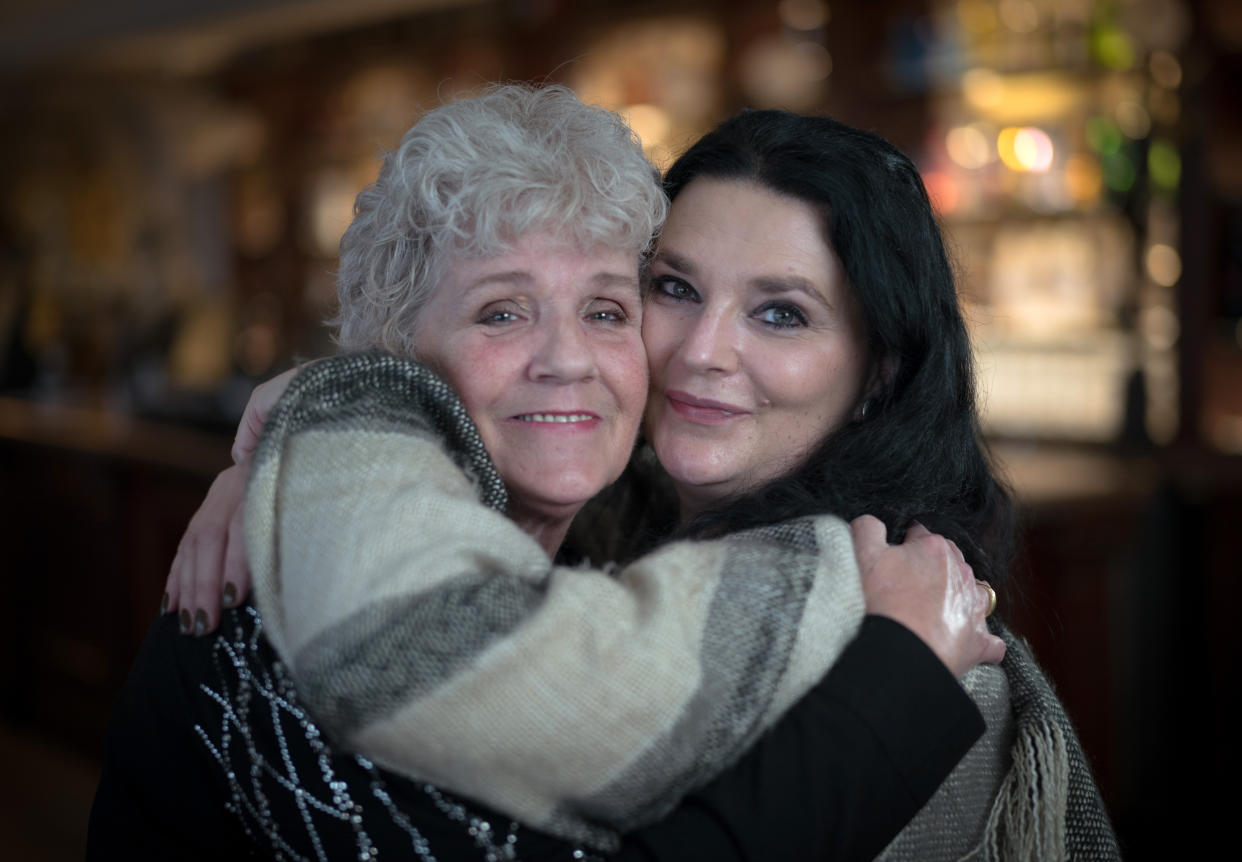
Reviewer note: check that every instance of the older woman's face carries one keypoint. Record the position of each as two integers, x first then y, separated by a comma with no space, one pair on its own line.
754,341
543,343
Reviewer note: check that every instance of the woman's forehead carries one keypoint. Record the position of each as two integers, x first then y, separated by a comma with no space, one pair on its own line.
543,258
748,232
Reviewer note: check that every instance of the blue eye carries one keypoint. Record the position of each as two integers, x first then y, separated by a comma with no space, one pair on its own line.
674,288
781,315
497,318
613,314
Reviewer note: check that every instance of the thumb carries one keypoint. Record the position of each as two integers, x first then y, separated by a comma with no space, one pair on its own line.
993,650
261,402
868,532
248,431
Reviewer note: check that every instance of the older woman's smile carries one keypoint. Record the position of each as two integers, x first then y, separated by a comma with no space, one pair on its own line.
578,419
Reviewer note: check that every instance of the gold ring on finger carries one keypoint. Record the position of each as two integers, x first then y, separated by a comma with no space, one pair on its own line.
991,597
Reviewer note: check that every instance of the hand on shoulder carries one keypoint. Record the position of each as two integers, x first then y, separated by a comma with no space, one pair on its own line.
210,570
926,585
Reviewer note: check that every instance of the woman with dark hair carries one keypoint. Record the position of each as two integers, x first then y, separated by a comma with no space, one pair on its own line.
796,246
500,246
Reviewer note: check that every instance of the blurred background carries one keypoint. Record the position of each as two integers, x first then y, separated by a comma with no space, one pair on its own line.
175,177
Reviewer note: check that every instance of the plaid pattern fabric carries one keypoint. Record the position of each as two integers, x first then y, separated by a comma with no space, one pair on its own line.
429,633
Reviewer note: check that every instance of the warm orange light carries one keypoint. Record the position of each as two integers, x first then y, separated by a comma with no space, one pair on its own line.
943,191
1025,149
968,147
1164,264
1083,179
976,16
650,122
982,88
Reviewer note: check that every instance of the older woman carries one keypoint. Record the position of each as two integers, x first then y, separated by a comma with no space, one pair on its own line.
496,661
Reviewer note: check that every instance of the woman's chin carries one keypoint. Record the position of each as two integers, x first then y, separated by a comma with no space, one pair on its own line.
555,494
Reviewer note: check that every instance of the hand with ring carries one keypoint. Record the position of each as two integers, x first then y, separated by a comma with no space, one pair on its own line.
926,585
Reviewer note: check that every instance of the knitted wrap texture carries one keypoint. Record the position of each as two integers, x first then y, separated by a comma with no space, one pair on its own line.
432,635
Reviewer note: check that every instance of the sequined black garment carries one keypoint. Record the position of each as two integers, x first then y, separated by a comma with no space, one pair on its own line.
235,767
209,756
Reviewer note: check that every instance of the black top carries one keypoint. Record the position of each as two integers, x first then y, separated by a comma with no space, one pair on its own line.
209,756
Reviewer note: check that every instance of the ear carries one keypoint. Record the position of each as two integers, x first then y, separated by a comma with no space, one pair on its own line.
879,379
883,373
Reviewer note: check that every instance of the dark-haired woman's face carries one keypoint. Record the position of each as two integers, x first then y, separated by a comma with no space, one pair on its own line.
754,341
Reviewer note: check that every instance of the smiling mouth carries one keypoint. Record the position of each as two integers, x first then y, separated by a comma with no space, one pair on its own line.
703,411
559,418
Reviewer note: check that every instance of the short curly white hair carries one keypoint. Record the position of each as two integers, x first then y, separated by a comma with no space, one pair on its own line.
471,178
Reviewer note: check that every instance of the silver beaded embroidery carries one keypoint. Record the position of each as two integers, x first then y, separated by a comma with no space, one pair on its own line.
252,689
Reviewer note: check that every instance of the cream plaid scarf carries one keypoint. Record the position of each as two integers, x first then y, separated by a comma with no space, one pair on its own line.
582,702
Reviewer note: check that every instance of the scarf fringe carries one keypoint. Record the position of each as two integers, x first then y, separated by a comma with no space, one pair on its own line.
1027,821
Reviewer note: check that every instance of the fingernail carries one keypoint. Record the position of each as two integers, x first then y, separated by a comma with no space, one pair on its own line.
200,622
230,594
185,621
164,604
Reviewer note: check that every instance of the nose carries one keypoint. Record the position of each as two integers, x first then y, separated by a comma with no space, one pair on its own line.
709,344
563,353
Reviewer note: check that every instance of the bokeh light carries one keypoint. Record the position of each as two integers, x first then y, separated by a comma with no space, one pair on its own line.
1165,70
1164,164
650,122
1113,48
969,146
1103,136
1118,171
1083,179
1164,264
1025,149
1132,119
982,88
1160,327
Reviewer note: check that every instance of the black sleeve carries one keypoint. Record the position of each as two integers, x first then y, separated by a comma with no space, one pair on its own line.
841,773
155,800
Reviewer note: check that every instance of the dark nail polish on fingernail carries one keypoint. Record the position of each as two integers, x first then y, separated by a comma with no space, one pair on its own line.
164,605
185,621
200,622
230,595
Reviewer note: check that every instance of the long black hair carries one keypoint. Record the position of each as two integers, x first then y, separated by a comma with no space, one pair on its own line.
917,453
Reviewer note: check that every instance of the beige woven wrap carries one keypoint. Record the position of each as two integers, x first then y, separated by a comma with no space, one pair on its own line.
429,633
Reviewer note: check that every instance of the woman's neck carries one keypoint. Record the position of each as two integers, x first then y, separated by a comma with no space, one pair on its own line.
691,501
546,528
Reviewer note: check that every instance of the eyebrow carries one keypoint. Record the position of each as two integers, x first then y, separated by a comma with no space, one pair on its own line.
514,277
523,278
616,279
765,283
